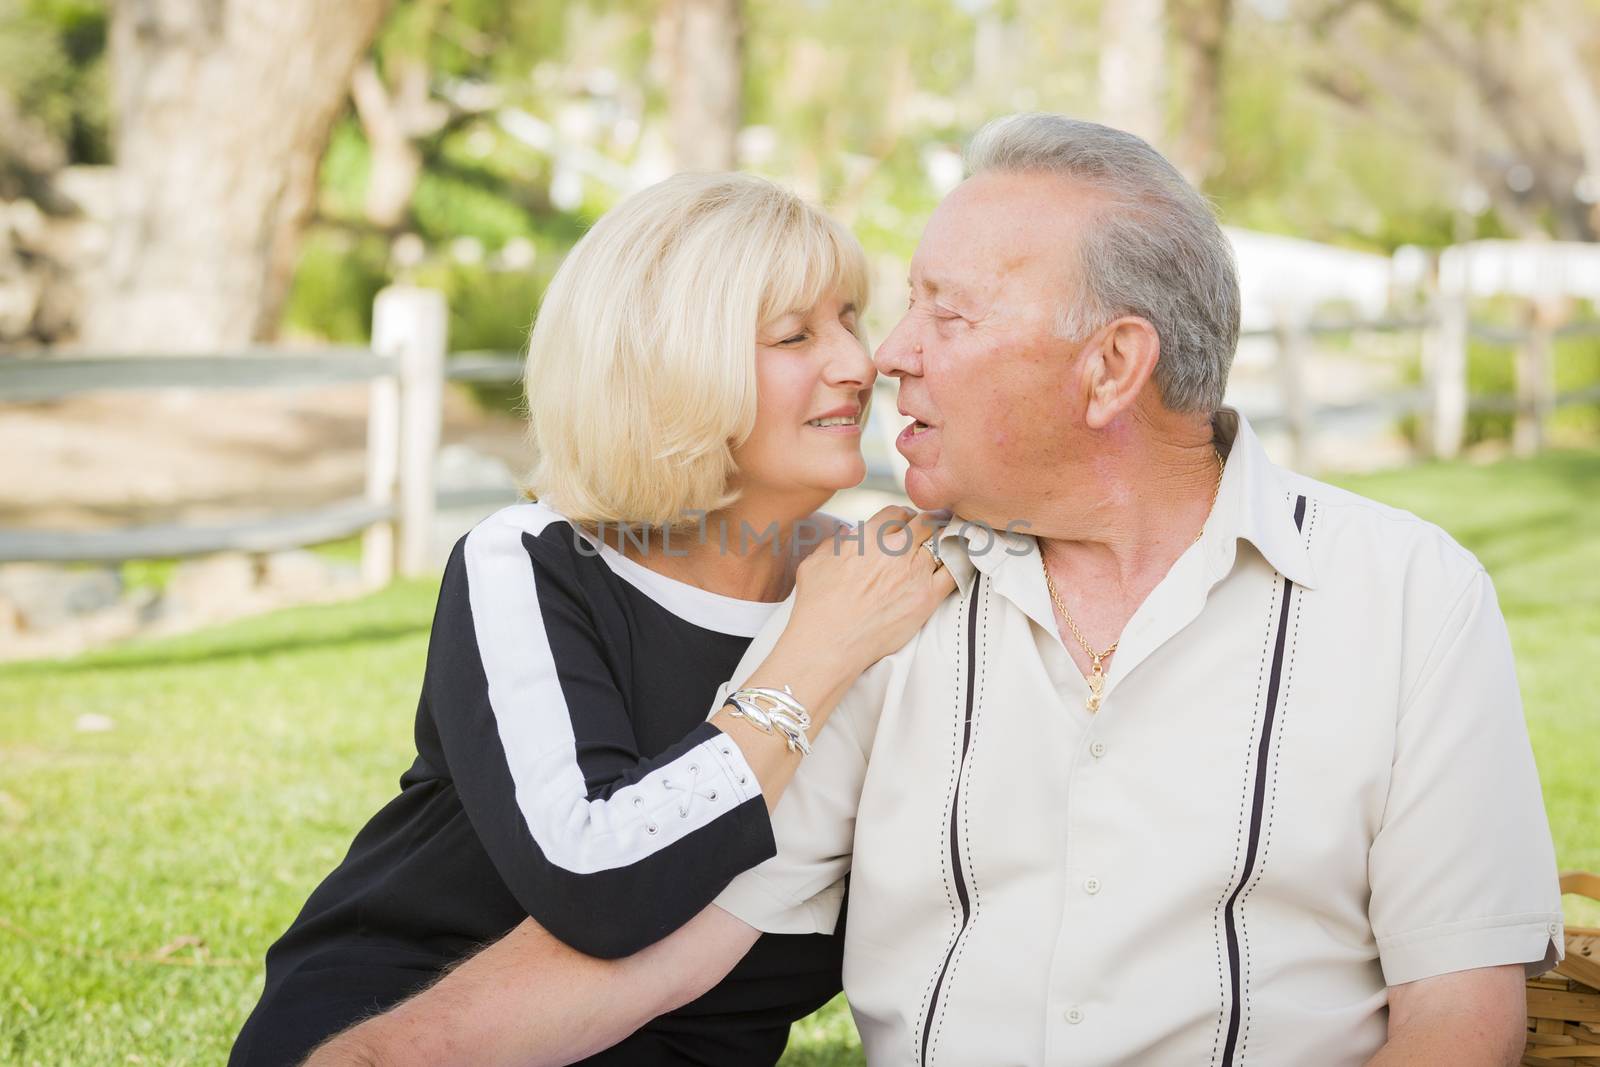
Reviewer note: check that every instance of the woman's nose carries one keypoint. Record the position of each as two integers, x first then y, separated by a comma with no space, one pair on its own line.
848,362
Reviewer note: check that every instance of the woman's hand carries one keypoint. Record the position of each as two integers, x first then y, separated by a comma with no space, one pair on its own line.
856,601
867,590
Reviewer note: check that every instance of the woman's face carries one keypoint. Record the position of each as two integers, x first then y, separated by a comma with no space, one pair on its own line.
813,381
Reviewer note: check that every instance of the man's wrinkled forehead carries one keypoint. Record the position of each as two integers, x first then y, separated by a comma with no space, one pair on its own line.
992,228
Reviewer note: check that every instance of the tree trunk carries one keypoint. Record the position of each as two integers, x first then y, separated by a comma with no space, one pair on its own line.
1132,61
1201,28
223,113
706,91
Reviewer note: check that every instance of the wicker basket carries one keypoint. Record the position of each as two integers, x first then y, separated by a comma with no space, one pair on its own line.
1564,1005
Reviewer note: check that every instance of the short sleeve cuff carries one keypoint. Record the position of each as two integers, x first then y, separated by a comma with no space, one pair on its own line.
1534,940
756,902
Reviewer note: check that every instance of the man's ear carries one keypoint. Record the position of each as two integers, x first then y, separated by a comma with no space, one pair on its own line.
1120,361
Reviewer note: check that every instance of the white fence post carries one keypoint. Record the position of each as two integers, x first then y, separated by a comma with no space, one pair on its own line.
1535,377
383,471
1444,361
1293,343
411,324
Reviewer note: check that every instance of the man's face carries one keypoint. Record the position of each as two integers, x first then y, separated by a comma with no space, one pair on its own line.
988,385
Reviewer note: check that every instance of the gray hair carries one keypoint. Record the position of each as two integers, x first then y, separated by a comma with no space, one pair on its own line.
1157,252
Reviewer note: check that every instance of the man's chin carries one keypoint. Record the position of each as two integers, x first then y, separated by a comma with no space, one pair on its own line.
926,492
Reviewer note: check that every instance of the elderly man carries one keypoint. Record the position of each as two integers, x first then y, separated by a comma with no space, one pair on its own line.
1219,765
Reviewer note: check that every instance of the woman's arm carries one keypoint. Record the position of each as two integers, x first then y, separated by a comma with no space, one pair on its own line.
530,1001
608,849
855,603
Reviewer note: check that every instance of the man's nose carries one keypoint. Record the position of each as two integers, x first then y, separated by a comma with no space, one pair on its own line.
900,356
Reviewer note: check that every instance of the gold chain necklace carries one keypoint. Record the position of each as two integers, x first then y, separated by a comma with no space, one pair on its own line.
1097,674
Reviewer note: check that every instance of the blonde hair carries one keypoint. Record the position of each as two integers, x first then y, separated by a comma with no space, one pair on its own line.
640,376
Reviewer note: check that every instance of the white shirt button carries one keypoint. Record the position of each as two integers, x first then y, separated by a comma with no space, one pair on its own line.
1555,928
1097,749
1074,1016
1091,886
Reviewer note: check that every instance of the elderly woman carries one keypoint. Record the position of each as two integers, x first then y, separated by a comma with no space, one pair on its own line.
697,386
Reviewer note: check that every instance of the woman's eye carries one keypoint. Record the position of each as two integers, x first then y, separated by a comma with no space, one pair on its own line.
796,339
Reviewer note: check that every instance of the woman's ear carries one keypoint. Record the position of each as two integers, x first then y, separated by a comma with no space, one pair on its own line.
1117,367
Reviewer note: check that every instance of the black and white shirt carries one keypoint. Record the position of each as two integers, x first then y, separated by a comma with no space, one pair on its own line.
565,770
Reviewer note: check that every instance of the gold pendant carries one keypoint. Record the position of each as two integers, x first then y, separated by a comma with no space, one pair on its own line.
1097,685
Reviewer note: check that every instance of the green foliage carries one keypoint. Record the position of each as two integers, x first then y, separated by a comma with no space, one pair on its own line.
339,275
451,204
490,39
244,758
52,61
1292,162
345,167
1491,369
489,309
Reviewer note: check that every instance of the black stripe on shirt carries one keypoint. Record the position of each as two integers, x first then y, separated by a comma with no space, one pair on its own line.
1257,804
955,808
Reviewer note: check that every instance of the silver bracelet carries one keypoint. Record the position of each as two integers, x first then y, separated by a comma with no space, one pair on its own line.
794,735
785,699
740,708
770,710
770,720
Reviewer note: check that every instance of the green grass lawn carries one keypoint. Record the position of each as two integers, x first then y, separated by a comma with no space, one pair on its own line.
145,868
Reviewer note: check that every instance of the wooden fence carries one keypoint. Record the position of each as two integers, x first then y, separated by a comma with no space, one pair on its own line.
1442,400
406,370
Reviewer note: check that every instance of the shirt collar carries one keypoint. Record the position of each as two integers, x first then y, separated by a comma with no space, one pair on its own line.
970,548
1255,502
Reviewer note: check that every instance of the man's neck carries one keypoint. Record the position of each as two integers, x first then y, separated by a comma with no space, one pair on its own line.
1110,534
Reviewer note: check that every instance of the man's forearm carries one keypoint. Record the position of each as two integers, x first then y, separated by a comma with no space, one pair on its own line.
529,1000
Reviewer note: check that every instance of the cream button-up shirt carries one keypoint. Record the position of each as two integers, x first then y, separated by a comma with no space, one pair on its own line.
1309,779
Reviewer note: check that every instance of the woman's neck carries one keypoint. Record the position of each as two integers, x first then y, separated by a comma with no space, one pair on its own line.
748,551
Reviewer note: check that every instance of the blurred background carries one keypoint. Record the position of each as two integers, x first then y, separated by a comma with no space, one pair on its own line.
265,270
